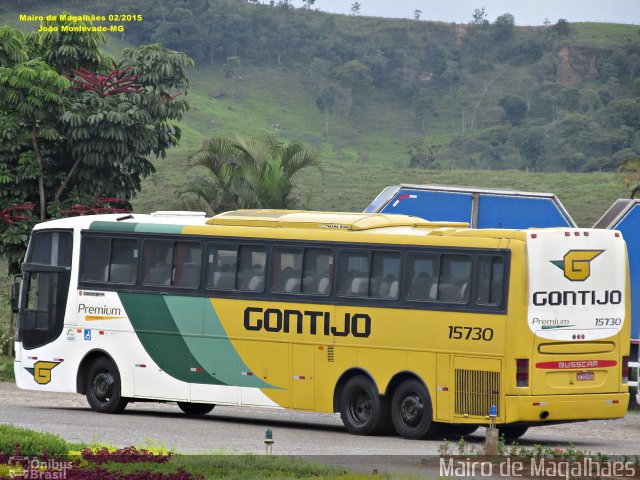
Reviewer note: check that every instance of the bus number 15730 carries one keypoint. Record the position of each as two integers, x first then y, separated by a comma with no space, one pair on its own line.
470,333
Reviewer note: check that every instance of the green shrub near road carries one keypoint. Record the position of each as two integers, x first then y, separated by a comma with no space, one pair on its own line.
30,443
6,332
6,369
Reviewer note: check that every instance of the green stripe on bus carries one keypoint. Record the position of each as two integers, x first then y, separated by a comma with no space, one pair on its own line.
102,226
155,327
208,341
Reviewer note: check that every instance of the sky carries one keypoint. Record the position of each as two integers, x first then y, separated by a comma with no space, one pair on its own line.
526,12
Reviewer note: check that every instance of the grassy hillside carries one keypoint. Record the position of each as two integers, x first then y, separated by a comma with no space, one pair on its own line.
361,155
351,186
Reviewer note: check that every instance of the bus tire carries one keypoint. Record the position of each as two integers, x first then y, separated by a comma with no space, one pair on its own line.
512,432
411,410
103,387
195,409
362,410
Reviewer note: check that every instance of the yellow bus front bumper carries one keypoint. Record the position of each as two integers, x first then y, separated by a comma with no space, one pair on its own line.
566,407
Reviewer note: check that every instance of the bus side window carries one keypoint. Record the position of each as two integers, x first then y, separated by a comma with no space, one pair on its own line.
158,257
251,267
123,267
222,263
287,270
455,274
354,274
95,259
422,274
489,280
385,274
186,264
317,271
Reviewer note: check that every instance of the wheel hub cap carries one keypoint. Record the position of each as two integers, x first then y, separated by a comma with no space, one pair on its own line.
361,407
103,385
412,410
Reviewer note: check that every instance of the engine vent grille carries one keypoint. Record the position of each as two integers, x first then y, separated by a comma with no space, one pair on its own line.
476,391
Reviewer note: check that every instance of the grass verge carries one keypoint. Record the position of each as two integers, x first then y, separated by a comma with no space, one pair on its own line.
25,452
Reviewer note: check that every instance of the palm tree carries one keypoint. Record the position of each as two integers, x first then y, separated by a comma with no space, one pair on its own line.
254,172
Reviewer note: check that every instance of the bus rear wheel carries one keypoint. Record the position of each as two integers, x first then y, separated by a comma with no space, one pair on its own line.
195,409
362,410
411,410
512,432
103,387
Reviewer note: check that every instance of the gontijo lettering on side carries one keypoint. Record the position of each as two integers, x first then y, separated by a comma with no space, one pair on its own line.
308,321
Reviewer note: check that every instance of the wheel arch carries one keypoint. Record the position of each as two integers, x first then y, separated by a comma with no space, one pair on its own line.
400,377
342,381
83,368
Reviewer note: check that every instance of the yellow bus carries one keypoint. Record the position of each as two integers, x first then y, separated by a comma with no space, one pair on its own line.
395,322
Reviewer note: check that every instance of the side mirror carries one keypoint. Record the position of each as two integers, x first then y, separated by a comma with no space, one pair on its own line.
15,293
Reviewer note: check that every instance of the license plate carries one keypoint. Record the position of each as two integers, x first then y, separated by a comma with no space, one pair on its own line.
581,376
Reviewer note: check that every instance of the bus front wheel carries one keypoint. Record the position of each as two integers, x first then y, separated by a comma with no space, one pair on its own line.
195,409
362,410
411,410
103,387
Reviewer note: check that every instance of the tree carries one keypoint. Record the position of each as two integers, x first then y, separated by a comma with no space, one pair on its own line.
423,152
32,96
479,17
327,101
562,27
253,172
624,111
73,129
515,108
231,71
354,74
630,171
355,8
530,146
416,13
503,27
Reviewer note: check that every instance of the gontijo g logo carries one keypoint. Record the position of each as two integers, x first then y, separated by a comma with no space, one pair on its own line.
576,264
41,371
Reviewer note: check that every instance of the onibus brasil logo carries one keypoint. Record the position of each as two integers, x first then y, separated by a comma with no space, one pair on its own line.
576,264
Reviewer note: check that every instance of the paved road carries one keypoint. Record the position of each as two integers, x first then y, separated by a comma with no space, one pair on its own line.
241,430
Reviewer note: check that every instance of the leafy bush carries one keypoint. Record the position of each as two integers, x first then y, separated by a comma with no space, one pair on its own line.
6,368
15,440
123,455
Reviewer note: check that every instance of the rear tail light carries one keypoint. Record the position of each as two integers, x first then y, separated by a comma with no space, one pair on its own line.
522,372
625,369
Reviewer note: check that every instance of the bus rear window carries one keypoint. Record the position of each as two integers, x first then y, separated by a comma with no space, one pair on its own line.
490,280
